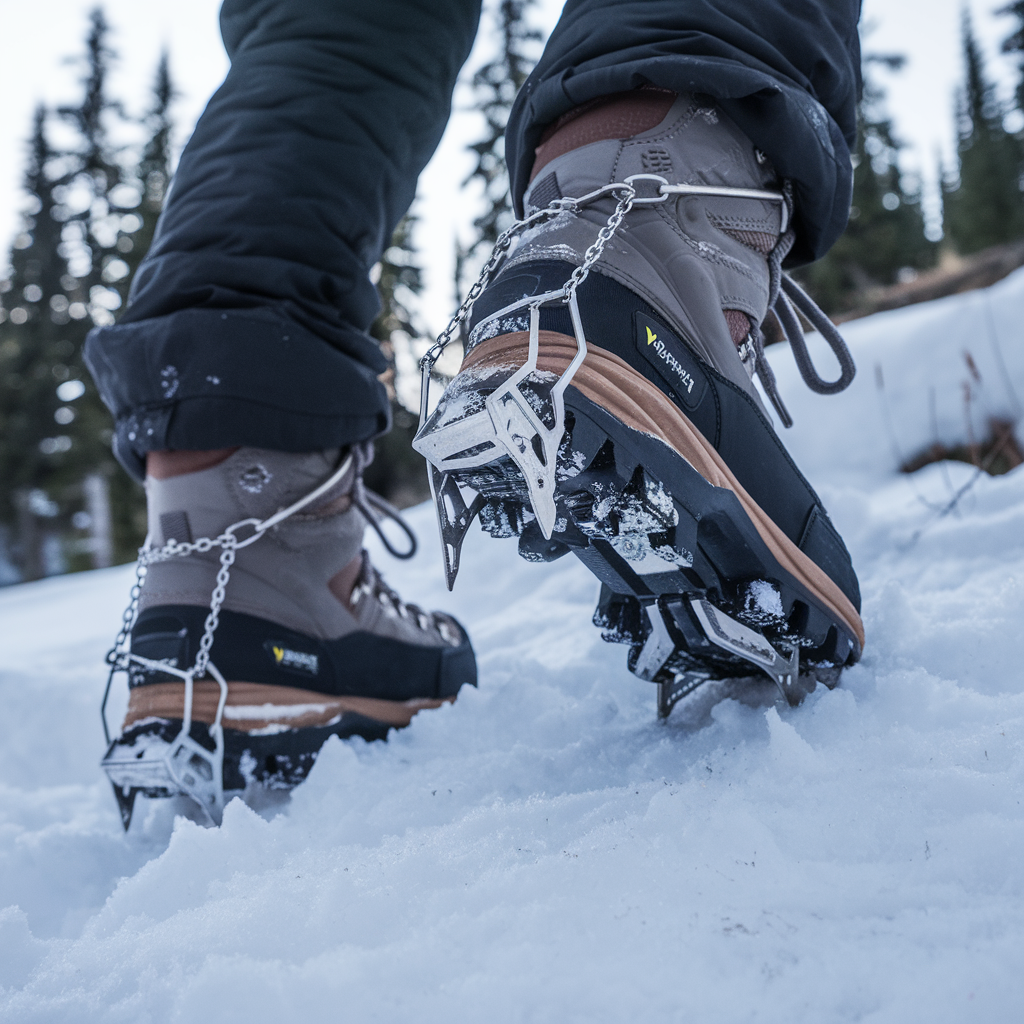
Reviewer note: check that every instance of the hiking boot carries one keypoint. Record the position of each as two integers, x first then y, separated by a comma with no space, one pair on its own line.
653,459
310,640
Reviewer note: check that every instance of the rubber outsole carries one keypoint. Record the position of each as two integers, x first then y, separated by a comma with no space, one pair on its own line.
287,693
254,707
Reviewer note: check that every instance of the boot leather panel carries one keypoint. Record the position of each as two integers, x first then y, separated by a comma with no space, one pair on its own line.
256,650
682,256
284,575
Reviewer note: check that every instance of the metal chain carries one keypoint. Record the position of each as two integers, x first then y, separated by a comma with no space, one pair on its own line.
604,236
567,204
227,559
118,652
503,242
119,655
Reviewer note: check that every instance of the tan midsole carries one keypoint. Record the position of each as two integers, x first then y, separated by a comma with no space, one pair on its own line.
610,382
254,706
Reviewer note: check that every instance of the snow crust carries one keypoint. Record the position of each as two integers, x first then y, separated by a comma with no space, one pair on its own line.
544,850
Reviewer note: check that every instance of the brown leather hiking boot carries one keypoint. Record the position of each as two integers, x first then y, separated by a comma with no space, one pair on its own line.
605,406
309,640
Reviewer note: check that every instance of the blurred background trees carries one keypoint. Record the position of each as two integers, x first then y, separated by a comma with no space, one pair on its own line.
89,217
888,255
90,212
494,87
885,240
92,204
398,473
982,201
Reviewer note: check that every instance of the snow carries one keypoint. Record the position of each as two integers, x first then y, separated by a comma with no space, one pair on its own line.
544,850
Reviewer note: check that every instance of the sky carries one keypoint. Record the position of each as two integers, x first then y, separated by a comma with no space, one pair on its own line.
38,37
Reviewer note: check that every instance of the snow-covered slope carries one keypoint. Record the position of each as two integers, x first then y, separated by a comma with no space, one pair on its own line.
545,850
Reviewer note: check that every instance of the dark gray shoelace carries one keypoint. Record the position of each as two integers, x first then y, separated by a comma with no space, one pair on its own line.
374,508
783,294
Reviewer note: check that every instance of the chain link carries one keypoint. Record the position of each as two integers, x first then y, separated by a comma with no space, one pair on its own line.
604,236
119,656
118,653
566,204
227,559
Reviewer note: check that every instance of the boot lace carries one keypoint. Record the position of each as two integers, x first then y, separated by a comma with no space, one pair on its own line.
371,585
782,290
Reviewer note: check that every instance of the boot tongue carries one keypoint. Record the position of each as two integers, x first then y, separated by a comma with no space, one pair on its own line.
739,325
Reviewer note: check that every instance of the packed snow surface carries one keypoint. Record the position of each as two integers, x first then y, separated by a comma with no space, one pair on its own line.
545,850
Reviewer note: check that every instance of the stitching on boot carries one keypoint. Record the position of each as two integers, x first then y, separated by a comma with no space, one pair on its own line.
740,302
707,251
678,125
759,241
766,224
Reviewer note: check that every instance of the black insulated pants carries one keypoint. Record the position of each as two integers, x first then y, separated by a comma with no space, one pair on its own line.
246,323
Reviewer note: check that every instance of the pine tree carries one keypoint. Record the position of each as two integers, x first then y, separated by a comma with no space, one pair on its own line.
1014,44
85,220
153,173
33,362
96,171
984,206
151,178
886,234
495,86
398,472
98,235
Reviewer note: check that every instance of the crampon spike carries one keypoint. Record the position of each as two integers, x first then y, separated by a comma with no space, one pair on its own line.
454,518
125,797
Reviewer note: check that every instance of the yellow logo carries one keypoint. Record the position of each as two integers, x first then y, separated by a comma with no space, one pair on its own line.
293,661
651,336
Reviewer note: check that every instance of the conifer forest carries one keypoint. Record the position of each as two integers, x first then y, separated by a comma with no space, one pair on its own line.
90,208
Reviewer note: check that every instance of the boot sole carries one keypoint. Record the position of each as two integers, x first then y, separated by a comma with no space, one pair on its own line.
257,707
651,508
272,734
287,694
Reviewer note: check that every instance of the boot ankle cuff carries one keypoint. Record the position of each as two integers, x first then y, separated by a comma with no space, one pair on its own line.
618,116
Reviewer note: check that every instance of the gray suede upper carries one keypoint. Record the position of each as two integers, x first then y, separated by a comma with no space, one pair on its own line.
684,256
282,577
